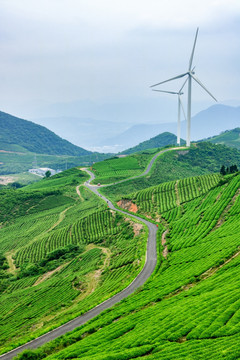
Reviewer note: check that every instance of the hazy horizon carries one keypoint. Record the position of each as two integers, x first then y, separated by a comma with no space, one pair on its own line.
98,59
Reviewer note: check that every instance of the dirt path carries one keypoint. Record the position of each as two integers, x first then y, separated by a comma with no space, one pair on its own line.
60,219
48,274
177,194
12,268
225,211
78,192
94,277
165,249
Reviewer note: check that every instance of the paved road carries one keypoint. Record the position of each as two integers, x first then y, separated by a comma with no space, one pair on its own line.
150,263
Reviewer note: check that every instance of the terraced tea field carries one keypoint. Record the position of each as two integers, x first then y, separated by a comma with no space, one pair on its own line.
188,308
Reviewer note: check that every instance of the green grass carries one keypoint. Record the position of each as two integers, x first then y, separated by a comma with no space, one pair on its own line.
189,308
116,169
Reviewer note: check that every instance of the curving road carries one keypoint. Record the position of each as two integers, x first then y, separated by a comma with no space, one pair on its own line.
150,263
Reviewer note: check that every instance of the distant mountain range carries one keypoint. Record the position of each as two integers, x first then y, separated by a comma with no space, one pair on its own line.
206,123
21,135
116,136
160,140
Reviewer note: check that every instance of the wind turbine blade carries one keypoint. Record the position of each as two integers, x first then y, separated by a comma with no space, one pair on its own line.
168,92
194,44
174,78
183,84
199,82
182,108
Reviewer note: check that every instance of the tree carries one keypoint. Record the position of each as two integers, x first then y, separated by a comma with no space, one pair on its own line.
48,174
233,169
223,170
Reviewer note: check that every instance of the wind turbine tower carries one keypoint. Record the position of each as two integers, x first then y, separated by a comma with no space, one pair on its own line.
190,75
180,105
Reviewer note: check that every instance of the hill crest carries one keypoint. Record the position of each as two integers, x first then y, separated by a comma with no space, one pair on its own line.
23,135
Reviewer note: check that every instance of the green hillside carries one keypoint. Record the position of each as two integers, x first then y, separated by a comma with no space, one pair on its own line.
189,308
116,169
62,251
229,138
202,158
158,141
22,135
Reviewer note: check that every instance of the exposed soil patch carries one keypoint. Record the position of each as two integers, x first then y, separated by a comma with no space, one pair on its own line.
128,205
12,268
136,227
165,249
4,180
94,277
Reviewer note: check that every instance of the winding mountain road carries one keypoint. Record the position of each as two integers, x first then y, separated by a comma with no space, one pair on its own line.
150,263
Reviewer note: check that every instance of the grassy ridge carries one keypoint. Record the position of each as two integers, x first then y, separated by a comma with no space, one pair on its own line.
229,138
158,141
190,306
116,169
204,158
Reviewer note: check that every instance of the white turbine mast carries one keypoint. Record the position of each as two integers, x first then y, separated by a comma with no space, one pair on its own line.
190,75
180,106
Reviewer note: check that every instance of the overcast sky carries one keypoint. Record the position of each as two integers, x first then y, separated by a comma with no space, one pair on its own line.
95,57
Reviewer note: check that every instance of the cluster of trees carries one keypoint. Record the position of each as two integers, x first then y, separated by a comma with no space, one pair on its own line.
228,170
51,261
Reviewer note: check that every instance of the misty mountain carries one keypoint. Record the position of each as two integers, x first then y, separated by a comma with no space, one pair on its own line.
86,132
206,123
23,135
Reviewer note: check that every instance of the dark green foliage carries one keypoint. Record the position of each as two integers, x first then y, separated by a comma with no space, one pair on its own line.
158,141
29,355
51,261
223,170
3,263
210,157
229,170
47,174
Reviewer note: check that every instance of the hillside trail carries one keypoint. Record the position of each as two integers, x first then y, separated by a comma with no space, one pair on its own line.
12,268
94,277
79,193
142,277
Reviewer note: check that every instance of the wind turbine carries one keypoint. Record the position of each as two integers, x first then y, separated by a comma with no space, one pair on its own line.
180,105
190,75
